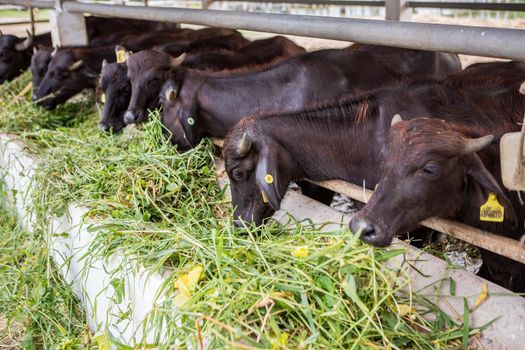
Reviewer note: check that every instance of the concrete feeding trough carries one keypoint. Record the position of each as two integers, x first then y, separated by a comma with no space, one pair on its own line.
71,235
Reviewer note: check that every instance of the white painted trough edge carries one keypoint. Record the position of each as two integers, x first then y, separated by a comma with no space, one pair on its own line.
70,237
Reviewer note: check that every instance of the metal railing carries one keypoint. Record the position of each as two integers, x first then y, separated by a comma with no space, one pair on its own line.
481,41
519,7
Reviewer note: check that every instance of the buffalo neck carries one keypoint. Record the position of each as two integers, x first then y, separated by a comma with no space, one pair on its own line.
284,87
341,141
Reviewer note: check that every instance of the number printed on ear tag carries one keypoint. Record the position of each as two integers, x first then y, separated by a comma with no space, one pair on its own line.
121,56
268,178
492,210
191,121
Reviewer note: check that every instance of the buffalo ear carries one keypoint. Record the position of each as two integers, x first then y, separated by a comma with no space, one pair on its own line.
267,174
171,94
477,171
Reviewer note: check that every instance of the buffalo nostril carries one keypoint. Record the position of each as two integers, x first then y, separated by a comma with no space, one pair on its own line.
129,117
359,225
105,127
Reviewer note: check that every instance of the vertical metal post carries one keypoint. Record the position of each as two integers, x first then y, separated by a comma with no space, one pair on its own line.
146,3
206,3
67,29
398,10
32,19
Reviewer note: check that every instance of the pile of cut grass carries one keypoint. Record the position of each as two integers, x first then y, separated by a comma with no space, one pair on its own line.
38,310
281,286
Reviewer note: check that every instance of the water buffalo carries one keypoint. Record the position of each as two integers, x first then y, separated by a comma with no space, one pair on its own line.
409,62
42,55
228,42
115,88
61,81
345,137
15,53
444,168
349,138
152,68
197,104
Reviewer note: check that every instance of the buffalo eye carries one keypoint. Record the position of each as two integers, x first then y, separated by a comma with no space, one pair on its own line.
237,175
431,169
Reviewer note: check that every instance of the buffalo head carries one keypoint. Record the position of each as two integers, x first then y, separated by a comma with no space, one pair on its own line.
147,72
259,169
429,168
15,55
179,113
39,62
114,92
65,77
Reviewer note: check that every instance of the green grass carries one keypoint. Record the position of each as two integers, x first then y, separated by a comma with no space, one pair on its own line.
38,309
249,288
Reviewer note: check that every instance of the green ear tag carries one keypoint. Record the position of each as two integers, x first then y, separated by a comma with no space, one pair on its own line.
191,121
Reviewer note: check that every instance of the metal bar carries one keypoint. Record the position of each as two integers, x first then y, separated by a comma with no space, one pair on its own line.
478,41
518,7
32,19
370,3
503,246
468,5
33,3
397,10
17,22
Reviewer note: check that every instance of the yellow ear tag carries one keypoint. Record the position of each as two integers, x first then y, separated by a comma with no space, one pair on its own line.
492,211
265,199
268,179
103,98
121,56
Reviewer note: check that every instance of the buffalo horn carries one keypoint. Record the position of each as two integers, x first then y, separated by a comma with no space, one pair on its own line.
244,145
26,44
475,145
54,52
104,63
75,65
177,61
396,119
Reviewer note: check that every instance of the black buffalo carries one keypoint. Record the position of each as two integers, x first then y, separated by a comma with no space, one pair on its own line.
427,167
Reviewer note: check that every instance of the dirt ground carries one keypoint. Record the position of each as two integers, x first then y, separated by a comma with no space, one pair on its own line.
9,338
